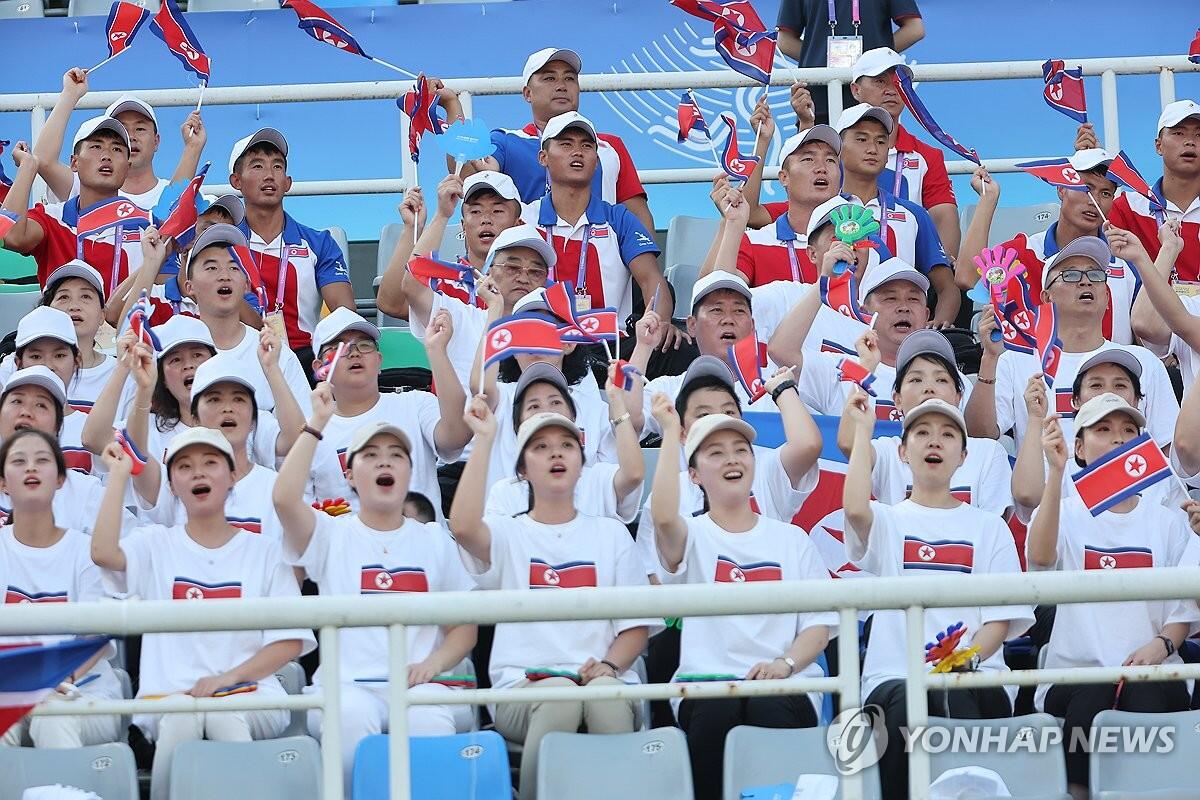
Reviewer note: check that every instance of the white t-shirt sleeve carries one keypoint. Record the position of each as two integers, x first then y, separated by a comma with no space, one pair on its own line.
315,558
811,567
995,480
782,495
265,440
282,583
455,577
428,415
491,575
879,551
1002,557
628,572
139,570
771,304
296,376
818,383
1067,522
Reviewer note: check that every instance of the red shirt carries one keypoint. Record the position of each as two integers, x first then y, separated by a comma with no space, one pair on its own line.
764,255
60,244
1132,212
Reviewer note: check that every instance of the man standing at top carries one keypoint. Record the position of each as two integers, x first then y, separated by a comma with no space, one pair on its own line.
815,38
300,266
551,88
141,185
1178,142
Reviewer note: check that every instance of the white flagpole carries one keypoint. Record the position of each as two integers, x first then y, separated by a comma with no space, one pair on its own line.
383,63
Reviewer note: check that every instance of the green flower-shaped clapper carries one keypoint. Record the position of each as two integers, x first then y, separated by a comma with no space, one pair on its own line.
851,224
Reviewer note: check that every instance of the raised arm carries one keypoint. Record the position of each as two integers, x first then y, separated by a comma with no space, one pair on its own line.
452,433
137,422
949,298
976,237
1157,312
155,249
648,332
1029,471
735,212
466,513
98,426
631,467
287,411
57,175
295,516
194,136
495,309
911,31
856,495
1186,444
762,122
867,347
787,343
803,438
649,278
670,529
400,294
25,234
1042,545
980,412
106,535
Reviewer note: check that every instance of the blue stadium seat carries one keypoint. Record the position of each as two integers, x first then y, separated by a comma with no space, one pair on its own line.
233,5
1162,775
466,766
587,766
761,757
1034,773
270,769
106,769
100,8
21,9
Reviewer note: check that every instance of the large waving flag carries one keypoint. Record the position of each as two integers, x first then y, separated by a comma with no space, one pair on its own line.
690,117
746,359
734,163
30,674
111,213
1129,469
1048,345
739,35
914,104
170,26
1057,172
1064,89
420,106
840,292
124,22
181,219
1125,173
434,271
520,333
320,25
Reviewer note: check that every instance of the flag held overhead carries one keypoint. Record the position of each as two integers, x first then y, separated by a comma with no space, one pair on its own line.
734,163
1064,89
170,26
1123,172
181,219
123,23
320,25
690,117
1057,172
746,359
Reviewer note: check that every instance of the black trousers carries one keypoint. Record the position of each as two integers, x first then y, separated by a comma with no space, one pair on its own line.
662,659
707,722
1079,703
986,703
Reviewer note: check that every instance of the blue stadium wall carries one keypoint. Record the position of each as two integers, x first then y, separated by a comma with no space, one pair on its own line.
359,139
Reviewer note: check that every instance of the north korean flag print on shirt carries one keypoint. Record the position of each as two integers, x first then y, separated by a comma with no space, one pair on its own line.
1117,557
378,579
571,575
188,589
60,244
730,571
16,594
942,555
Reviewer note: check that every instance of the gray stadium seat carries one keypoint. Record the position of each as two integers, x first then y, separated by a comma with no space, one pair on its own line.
1031,773
106,769
16,304
127,694
22,9
100,8
688,240
681,277
233,5
1011,220
291,677
339,236
388,236
650,456
1163,776
770,756
454,243
271,769
584,766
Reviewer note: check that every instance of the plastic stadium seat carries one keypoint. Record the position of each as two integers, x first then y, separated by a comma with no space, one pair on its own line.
465,766
688,240
106,769
233,5
15,302
650,456
1163,776
14,266
388,236
127,694
100,8
20,9
583,766
1031,773
768,756
1011,220
339,236
681,277
271,769
401,349
291,678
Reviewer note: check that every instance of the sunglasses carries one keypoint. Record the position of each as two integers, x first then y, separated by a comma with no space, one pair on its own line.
1077,275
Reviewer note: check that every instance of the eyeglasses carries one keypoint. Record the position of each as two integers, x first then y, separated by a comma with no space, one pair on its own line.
1077,275
360,346
532,272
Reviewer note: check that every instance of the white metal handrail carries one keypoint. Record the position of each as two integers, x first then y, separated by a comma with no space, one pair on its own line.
37,103
913,595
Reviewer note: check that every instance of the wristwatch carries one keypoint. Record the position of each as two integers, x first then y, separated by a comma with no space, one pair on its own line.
791,662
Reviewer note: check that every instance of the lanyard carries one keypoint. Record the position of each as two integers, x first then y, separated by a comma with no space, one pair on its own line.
897,169
118,250
884,208
795,265
856,19
281,280
581,273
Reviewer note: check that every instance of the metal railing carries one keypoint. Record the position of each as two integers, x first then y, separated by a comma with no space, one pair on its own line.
1108,69
328,614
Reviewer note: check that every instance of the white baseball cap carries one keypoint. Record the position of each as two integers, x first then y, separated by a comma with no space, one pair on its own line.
544,419
96,124
261,136
963,782
46,322
709,424
817,133
821,214
720,279
936,405
894,269
497,182
183,329
197,436
365,433
522,235
338,322
571,119
77,269
224,367
130,102
38,375
533,301
543,57
1083,160
855,114
876,62
1100,407
1177,112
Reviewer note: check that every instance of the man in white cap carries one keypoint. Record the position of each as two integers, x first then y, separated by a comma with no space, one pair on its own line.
551,78
600,246
141,185
905,227
915,170
808,172
1178,142
1078,216
301,267
490,205
1073,281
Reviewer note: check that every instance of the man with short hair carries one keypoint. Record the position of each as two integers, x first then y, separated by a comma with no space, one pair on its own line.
141,185
300,267
551,78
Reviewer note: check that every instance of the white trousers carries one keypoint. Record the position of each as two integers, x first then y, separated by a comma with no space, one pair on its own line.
63,731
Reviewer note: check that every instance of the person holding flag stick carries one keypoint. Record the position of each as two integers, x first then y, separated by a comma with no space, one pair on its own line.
1132,533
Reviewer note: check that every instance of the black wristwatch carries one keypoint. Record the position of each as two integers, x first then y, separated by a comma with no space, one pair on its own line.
1167,643
781,388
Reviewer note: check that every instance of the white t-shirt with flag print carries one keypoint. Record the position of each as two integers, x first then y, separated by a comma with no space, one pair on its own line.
248,506
470,323
984,480
246,352
770,551
823,391
595,495
1150,536
346,557
526,554
910,540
